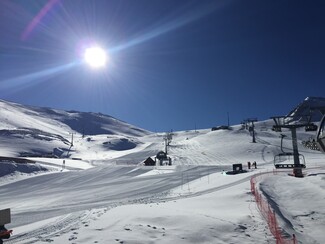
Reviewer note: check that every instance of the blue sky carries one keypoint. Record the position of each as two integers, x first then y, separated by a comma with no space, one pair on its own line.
172,64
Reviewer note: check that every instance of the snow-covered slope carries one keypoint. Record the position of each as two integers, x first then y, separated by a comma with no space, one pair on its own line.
159,205
34,131
113,200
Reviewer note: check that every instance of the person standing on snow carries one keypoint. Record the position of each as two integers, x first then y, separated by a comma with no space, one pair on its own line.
63,165
249,165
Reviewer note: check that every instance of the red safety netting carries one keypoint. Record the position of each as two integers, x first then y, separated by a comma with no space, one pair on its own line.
269,215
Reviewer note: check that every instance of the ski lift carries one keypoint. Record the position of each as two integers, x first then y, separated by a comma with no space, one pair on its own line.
320,138
286,160
276,128
292,159
311,127
163,158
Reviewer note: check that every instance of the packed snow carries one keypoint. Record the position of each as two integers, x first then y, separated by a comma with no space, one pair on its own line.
98,191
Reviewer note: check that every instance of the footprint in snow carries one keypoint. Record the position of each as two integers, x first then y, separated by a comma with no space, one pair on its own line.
72,238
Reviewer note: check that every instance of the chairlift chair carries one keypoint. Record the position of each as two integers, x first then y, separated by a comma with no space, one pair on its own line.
286,160
276,128
311,127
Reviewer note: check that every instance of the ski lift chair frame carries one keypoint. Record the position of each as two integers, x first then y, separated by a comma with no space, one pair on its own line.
285,122
311,127
282,157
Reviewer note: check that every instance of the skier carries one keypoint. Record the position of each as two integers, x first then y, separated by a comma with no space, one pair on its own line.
249,165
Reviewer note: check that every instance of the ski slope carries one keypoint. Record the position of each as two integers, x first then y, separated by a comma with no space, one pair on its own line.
115,200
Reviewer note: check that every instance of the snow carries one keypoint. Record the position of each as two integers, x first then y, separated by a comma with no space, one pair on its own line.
104,195
69,163
302,209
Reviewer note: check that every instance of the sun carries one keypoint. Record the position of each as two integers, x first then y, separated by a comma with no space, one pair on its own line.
95,56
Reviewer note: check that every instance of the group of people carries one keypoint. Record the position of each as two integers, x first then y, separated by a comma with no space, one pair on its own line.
251,165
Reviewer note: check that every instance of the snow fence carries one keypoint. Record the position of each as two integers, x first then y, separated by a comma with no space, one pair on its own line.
269,215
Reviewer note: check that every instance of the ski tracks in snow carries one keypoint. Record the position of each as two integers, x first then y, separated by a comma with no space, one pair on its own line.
208,191
57,227
70,224
195,154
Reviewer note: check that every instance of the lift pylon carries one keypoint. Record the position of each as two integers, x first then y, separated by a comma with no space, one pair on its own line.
286,122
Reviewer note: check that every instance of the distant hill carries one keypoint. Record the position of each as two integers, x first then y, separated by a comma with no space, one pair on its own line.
29,130
17,116
46,132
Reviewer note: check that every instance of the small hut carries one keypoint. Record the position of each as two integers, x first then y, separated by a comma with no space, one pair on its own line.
149,162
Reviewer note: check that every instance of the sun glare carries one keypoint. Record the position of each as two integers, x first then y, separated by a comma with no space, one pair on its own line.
96,57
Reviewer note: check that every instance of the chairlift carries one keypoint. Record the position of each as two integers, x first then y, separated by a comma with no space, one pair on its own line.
320,138
293,159
286,160
276,128
311,127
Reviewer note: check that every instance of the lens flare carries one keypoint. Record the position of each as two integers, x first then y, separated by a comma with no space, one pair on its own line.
96,57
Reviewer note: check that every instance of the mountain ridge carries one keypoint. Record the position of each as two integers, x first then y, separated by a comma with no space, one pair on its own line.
86,123
38,131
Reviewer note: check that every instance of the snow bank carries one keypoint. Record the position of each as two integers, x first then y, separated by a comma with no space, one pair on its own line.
291,198
120,144
11,168
10,171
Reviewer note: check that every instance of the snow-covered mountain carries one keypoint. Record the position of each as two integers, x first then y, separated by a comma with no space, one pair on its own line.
27,130
35,131
116,200
311,106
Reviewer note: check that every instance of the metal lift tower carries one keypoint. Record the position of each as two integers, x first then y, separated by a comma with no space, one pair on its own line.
281,122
